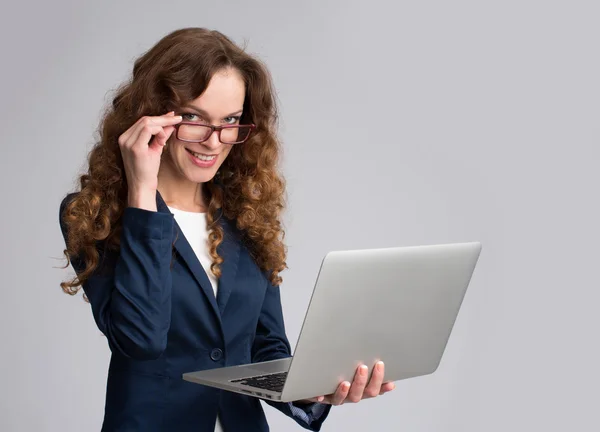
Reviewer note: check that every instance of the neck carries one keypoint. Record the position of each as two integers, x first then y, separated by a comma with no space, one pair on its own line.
180,193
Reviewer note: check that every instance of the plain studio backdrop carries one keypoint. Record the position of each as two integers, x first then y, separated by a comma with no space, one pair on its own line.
403,123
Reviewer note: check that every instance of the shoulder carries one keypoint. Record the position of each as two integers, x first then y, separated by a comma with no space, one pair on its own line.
66,200
63,205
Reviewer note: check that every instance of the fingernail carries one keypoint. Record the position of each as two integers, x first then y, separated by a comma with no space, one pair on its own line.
363,370
346,386
379,365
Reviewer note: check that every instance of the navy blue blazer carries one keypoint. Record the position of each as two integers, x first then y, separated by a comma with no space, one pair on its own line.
158,311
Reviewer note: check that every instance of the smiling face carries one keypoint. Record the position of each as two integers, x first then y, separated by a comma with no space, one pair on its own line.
220,104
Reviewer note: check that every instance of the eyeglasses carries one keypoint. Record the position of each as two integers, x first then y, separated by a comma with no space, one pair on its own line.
228,134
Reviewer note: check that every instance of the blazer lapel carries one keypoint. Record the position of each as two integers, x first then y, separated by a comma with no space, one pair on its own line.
229,250
189,257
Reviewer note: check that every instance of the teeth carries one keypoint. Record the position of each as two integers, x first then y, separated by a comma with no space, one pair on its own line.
202,157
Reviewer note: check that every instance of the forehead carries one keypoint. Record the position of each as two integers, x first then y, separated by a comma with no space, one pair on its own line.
224,94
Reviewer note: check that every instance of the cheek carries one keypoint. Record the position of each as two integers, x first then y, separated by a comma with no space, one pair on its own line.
225,153
176,155
178,152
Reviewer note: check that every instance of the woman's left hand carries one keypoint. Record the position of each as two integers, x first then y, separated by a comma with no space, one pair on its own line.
362,387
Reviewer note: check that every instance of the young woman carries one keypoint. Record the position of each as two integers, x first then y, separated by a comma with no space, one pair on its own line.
175,237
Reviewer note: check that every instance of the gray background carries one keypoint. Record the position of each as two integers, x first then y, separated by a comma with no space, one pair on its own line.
404,123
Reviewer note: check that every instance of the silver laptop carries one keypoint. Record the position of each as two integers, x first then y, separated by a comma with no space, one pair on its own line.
397,305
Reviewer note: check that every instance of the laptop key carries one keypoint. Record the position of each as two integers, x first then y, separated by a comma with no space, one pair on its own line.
273,382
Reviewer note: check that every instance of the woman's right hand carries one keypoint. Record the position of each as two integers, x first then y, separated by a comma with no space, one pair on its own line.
141,146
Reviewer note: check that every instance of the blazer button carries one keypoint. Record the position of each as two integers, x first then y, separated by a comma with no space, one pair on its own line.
216,354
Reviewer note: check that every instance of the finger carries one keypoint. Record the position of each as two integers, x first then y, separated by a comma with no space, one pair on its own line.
387,387
358,384
374,387
144,125
328,399
131,136
135,128
148,128
143,137
163,120
158,141
320,399
340,394
161,138
168,130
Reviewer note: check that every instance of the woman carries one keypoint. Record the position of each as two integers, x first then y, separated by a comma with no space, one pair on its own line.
176,239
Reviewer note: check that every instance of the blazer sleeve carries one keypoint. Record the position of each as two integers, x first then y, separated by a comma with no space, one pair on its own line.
271,343
130,291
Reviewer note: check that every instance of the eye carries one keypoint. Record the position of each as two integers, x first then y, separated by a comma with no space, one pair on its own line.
232,119
191,117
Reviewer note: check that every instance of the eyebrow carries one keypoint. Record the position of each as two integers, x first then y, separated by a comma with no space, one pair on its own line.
205,114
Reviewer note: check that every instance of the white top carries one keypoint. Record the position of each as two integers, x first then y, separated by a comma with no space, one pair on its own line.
193,226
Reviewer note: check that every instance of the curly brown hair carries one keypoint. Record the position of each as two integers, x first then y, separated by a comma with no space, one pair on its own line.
248,189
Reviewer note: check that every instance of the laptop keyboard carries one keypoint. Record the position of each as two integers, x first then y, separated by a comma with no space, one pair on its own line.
273,382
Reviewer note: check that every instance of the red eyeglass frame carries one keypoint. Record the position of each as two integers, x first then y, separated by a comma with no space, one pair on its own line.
213,129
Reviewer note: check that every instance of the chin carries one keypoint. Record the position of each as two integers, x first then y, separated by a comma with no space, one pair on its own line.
201,177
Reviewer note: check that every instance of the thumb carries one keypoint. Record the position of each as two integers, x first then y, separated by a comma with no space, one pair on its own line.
168,130
316,399
158,141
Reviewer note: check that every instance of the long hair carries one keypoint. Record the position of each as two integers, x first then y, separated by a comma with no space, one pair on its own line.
248,191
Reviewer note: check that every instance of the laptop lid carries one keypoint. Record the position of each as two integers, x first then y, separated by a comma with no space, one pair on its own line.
395,304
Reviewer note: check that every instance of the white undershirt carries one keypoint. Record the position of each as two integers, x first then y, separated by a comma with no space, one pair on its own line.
193,226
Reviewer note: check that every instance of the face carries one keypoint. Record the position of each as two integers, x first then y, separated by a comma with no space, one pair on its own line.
220,104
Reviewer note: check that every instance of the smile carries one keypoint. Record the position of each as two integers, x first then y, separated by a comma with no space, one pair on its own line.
201,156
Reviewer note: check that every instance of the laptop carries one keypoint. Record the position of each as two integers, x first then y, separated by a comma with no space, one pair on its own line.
396,304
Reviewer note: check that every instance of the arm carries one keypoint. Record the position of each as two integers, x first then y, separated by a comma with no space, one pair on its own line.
271,343
130,291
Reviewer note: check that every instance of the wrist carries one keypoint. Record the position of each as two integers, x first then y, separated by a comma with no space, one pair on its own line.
143,198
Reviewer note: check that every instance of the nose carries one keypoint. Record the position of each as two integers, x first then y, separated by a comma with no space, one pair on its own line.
213,141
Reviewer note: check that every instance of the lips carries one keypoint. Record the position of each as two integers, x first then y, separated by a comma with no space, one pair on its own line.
202,156
201,160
